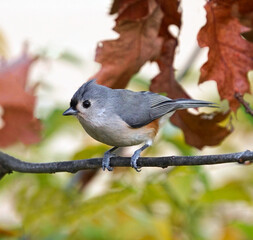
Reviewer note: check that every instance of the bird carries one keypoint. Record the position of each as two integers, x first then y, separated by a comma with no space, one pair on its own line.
122,118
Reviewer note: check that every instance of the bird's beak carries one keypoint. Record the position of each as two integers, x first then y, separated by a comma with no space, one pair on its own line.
70,111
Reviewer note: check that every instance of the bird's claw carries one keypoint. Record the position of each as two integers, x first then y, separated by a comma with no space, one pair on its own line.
106,161
106,166
134,159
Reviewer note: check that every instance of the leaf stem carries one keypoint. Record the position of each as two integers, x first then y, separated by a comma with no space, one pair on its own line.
245,104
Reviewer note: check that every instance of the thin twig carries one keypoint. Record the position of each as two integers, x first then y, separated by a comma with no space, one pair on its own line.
8,164
246,105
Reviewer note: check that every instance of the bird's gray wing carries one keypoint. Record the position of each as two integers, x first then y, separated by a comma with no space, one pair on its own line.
159,105
138,109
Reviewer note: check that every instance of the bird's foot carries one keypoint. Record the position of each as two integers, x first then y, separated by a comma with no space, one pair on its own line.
134,159
106,160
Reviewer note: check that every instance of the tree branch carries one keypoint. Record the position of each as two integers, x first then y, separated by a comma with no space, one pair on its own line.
8,164
246,105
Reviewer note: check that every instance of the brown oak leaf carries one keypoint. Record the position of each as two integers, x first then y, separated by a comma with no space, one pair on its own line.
166,79
18,103
137,44
203,129
130,9
199,130
230,56
243,10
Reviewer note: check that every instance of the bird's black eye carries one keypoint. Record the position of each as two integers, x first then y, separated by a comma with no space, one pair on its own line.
86,103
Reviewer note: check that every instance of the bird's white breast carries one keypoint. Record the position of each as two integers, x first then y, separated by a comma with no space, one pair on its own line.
112,130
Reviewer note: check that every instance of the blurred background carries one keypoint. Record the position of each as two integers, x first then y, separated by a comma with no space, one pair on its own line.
178,203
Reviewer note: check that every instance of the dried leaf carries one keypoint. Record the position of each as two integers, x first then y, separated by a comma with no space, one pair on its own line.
203,129
230,56
199,130
138,43
243,10
165,80
18,103
131,9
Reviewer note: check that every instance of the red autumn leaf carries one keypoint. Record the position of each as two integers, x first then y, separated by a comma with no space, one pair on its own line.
195,128
243,10
18,103
165,80
201,130
138,43
130,9
230,56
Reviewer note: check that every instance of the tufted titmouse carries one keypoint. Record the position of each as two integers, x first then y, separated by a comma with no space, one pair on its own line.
120,117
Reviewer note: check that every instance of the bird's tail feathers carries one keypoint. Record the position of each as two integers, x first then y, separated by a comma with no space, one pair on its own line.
191,103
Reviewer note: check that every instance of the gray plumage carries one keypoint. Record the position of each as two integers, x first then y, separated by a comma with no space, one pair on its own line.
117,117
137,109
